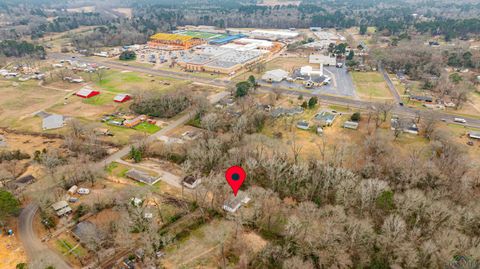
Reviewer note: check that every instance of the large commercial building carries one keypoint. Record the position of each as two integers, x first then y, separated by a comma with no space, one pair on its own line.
224,60
174,41
273,34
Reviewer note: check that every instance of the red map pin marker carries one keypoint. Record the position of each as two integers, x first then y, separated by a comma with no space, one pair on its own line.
235,176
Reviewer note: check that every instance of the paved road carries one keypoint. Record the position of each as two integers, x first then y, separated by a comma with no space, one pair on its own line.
140,69
390,85
34,248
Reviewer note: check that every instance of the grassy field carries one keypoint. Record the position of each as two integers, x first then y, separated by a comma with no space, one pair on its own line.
20,100
117,169
102,99
130,82
203,35
371,85
147,127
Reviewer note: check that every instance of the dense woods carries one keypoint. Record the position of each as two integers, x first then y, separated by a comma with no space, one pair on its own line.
411,210
12,48
160,105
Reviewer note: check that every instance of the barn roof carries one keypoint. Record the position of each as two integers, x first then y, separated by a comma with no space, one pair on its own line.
120,97
85,92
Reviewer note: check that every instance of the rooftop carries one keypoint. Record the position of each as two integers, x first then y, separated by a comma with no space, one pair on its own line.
53,122
142,176
171,37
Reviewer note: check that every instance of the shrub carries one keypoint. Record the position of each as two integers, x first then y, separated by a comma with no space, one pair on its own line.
355,116
127,56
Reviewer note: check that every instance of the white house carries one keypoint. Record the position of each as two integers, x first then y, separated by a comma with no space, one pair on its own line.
234,203
61,208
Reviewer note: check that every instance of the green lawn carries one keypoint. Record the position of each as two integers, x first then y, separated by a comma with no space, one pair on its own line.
147,127
371,85
101,99
203,35
116,169
65,246
129,82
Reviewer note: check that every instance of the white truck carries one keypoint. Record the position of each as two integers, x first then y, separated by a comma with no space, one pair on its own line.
459,120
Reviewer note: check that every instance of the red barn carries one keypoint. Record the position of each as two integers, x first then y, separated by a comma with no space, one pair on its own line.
120,98
86,93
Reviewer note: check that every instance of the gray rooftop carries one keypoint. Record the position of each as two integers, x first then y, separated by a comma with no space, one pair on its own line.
85,231
142,176
53,122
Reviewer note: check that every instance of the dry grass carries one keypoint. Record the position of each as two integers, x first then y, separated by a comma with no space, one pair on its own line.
11,251
21,100
371,85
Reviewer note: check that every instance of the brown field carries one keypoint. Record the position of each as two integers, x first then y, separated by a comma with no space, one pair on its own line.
11,251
29,143
21,100
202,246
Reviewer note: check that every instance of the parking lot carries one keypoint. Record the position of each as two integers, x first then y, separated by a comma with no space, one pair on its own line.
341,84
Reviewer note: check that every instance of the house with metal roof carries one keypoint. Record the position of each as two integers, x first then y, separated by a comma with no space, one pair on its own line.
325,118
142,177
61,208
233,203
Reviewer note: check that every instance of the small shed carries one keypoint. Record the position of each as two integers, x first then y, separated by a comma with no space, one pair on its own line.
86,93
121,98
303,124
350,125
53,122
